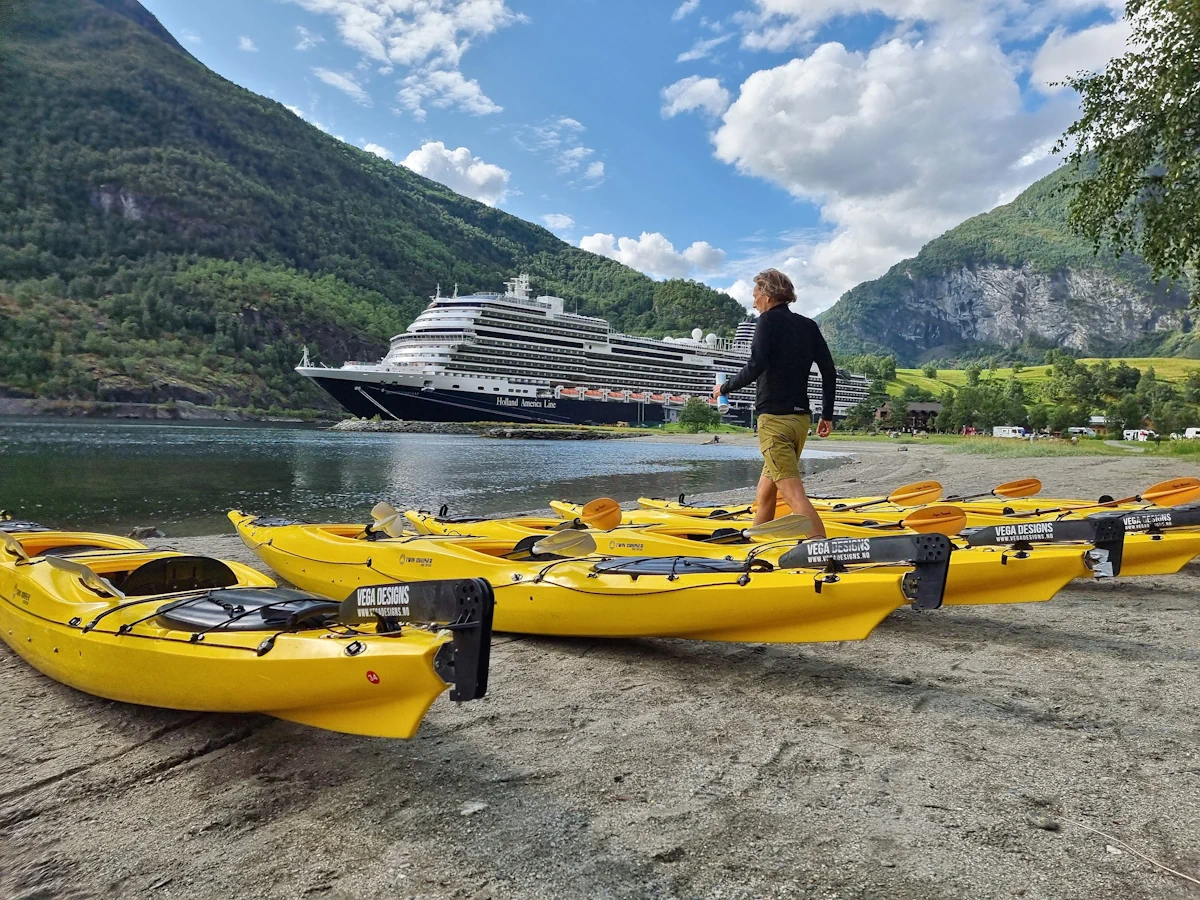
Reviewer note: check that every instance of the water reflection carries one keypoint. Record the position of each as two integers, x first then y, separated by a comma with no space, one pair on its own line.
114,475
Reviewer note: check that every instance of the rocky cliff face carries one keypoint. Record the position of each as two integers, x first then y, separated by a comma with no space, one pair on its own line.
1092,311
1017,276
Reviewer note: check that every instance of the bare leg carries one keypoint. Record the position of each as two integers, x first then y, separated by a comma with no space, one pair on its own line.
768,496
795,497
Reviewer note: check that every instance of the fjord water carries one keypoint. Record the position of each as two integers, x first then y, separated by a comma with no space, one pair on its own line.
112,475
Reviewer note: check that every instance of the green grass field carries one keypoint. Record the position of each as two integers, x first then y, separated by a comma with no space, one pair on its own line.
1165,368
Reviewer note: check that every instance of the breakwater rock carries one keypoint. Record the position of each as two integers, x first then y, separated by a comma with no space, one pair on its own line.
488,429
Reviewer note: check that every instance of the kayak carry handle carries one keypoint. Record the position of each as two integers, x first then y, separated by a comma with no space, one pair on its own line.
928,554
463,605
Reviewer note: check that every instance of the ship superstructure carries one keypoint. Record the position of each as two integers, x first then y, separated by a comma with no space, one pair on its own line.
513,357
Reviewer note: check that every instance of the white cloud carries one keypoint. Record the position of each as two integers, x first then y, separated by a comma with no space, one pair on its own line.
903,140
1066,54
701,49
346,84
653,254
191,37
382,152
247,45
776,25
415,32
460,171
895,145
693,93
704,257
428,37
444,89
686,8
559,140
558,221
308,39
572,159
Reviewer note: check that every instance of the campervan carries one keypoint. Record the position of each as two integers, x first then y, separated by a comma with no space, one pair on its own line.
1191,434
1009,431
1081,431
1139,434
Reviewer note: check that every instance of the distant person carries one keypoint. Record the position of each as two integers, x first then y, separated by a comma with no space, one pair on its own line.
785,347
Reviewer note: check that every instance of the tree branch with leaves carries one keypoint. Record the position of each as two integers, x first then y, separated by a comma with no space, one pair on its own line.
1136,144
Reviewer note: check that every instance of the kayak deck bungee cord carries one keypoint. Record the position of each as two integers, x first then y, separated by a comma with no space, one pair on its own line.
839,598
168,629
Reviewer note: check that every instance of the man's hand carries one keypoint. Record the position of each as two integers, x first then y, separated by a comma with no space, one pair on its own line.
824,428
717,392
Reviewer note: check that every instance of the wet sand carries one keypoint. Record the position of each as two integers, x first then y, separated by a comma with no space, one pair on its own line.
916,764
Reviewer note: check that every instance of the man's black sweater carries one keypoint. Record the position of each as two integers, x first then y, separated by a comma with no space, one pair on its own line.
785,347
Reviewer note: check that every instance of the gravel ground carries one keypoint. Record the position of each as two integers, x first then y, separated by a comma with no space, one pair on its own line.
941,758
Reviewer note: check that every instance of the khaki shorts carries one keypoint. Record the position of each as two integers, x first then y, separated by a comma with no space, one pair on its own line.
781,438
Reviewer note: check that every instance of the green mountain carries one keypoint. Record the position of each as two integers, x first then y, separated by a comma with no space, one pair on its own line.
167,234
1011,281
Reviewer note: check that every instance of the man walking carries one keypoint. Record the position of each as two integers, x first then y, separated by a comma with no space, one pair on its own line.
784,349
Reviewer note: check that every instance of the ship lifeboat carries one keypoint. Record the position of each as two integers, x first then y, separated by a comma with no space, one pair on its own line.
660,398
572,393
616,395
678,398
594,395
637,395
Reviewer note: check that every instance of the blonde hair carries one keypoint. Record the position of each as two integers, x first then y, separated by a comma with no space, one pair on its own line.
777,286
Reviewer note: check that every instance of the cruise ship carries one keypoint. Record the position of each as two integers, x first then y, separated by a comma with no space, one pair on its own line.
512,357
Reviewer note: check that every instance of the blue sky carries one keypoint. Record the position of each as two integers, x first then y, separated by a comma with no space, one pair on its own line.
701,138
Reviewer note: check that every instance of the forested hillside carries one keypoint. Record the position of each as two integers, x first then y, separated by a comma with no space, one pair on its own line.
1015,281
167,234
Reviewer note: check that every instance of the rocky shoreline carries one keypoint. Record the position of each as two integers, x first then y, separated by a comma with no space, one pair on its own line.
170,411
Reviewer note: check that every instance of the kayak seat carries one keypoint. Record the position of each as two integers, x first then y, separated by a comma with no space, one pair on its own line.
248,609
720,535
276,522
677,565
169,574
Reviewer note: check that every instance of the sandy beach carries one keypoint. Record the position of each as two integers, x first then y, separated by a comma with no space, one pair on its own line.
940,758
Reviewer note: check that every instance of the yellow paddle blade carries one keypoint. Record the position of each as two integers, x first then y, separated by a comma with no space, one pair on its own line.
90,579
916,494
382,510
567,543
1173,492
603,514
1014,490
785,527
947,520
13,546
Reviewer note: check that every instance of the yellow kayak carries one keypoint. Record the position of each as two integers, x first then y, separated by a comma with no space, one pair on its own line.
794,599
983,573
1158,541
112,618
